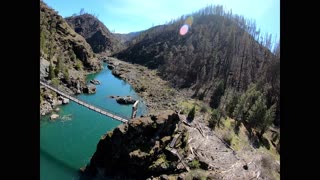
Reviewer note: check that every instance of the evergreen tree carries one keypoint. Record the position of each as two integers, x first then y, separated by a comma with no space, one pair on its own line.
231,105
51,71
246,101
192,113
267,120
257,112
216,97
214,118
58,66
42,40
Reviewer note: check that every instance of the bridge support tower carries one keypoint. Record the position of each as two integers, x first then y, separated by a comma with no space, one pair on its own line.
134,109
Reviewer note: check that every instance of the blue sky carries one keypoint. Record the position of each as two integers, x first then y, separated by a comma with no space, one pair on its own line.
124,16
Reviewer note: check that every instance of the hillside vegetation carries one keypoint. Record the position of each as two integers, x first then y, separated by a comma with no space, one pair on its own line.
65,57
223,59
61,46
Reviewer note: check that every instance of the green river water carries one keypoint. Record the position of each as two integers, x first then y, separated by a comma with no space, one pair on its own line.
66,144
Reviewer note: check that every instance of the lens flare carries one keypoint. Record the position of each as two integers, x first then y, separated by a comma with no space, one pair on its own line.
189,21
184,29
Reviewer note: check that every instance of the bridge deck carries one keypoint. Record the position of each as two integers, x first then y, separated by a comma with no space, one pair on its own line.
101,111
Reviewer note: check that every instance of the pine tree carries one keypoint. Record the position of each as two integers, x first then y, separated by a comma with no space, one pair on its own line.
42,41
216,96
257,112
58,66
246,101
192,113
267,120
214,118
232,105
51,71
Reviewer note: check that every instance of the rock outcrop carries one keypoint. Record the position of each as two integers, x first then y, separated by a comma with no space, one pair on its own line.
117,72
44,68
111,67
90,89
65,57
54,116
138,148
95,33
95,82
49,101
63,42
125,100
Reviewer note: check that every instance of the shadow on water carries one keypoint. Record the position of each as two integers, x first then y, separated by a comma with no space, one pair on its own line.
60,166
57,161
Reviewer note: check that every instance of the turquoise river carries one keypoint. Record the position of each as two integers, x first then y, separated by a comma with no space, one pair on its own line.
66,144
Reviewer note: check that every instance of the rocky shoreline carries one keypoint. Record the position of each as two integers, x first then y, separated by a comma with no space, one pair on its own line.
209,150
157,93
49,100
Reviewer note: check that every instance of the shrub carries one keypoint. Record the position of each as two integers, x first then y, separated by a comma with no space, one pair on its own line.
194,164
227,138
72,55
79,65
66,74
55,82
204,109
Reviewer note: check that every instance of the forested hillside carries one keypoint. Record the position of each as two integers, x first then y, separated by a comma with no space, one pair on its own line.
223,58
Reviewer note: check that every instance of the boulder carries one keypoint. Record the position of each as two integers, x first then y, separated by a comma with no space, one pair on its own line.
181,176
95,82
44,68
54,116
65,101
45,108
111,67
164,177
48,96
125,100
56,102
117,72
90,89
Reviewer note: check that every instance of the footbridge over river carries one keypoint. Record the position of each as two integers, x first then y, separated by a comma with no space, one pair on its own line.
94,108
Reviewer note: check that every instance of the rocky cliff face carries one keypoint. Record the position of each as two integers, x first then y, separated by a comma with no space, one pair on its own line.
59,42
65,56
95,33
139,148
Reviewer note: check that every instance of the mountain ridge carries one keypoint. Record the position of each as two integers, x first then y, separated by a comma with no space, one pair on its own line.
96,33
